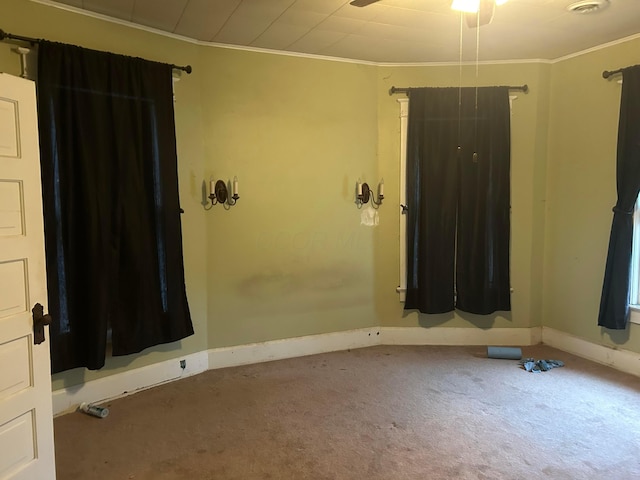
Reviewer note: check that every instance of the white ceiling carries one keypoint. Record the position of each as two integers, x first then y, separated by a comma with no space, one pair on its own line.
390,31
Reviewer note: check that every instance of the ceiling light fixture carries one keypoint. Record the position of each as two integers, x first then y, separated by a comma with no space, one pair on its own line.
473,6
588,6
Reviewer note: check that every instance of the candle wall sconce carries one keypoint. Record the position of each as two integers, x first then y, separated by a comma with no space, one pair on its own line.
219,194
364,194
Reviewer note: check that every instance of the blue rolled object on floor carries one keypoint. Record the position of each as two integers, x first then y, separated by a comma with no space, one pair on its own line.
509,353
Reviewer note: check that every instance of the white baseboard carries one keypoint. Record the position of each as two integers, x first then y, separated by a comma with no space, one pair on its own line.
293,347
67,399
460,336
623,360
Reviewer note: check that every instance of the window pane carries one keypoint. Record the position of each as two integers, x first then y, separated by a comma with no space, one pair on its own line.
635,258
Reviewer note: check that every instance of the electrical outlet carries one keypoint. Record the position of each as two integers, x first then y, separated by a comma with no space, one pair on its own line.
183,364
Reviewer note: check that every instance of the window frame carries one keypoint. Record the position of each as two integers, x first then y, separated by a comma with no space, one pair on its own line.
404,124
634,273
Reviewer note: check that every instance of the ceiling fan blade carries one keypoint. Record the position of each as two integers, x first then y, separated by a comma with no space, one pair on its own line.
362,3
484,16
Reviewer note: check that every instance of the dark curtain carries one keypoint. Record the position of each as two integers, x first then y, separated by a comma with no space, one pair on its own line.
110,192
614,304
458,232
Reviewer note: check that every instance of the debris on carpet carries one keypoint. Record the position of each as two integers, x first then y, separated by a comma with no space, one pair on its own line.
537,366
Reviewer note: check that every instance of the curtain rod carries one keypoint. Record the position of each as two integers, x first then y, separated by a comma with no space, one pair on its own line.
33,41
523,88
608,73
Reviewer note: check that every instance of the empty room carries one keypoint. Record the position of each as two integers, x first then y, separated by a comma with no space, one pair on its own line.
322,239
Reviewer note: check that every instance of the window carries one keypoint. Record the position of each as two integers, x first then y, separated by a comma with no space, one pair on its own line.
111,207
634,281
404,116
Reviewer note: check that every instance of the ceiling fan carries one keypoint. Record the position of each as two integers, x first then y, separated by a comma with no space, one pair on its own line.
477,12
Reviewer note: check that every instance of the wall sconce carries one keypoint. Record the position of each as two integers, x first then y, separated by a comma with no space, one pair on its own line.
218,193
364,193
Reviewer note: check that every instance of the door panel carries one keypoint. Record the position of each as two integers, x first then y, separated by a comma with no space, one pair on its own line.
10,208
13,288
9,139
17,448
26,420
15,353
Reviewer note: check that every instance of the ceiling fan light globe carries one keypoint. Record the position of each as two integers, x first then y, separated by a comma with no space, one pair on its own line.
468,6
473,6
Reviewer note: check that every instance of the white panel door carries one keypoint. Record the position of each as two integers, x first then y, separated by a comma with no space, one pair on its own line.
26,420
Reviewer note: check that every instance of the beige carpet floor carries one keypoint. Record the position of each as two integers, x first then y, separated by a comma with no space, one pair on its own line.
388,412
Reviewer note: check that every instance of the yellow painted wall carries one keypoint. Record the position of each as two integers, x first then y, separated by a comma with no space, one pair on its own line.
583,125
292,258
528,171
34,20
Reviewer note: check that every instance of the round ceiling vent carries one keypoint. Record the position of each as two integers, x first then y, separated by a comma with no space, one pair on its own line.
588,6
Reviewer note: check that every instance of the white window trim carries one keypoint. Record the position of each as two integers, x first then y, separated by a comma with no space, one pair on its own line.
404,121
634,276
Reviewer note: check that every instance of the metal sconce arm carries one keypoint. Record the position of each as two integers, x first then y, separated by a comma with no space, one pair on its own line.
364,194
219,194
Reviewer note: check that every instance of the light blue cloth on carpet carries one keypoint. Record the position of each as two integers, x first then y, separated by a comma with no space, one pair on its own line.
537,366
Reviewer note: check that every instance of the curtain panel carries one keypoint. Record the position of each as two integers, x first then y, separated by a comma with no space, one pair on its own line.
458,231
110,193
614,303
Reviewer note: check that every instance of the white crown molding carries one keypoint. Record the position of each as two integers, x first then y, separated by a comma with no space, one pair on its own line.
597,48
466,63
182,38
174,36
117,21
287,54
